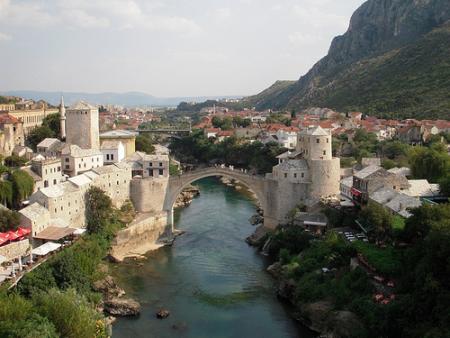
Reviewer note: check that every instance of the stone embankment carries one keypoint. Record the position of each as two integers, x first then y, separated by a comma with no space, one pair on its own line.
185,198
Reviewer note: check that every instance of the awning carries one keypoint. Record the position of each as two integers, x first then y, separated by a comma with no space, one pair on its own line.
45,249
54,233
21,232
355,192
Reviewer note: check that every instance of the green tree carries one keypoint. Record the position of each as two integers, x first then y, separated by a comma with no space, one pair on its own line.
15,161
444,185
39,134
6,193
429,163
144,144
9,220
378,217
22,186
98,210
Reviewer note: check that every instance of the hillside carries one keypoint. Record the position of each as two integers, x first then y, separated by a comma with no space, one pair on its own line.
393,61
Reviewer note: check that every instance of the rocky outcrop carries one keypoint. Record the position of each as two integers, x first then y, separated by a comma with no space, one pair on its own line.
377,28
258,236
122,307
185,198
113,301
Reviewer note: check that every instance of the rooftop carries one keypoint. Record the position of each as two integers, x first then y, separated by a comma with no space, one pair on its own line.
82,105
48,142
367,171
33,211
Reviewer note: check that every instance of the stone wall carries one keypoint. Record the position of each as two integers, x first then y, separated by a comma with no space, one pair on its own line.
148,194
140,236
15,249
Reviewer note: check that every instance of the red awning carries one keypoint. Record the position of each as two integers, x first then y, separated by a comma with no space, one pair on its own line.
22,232
3,239
355,192
11,235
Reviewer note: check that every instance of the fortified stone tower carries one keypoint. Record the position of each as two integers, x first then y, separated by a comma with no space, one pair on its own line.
83,126
315,145
62,112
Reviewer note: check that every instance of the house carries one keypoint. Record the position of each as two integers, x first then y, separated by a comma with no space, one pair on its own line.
212,132
11,134
287,137
396,202
372,178
224,134
127,138
76,160
113,151
346,187
422,188
51,147
145,165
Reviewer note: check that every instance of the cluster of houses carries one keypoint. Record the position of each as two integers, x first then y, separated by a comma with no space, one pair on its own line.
63,171
413,132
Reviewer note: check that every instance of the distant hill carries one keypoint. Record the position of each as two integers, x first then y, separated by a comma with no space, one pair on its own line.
393,61
130,99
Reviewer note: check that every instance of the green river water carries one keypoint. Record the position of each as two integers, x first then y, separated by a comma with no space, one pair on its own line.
211,281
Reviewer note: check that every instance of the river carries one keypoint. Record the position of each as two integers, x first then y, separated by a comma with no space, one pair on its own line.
211,281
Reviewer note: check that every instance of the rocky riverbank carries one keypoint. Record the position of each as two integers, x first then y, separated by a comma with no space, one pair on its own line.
318,316
185,198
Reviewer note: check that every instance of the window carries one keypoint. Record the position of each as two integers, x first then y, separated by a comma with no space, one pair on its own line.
295,175
117,182
318,140
285,175
112,157
160,164
67,167
328,140
59,169
324,152
45,184
303,175
107,157
54,181
161,172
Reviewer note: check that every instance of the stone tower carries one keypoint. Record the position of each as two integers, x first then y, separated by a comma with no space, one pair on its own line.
316,146
83,126
62,112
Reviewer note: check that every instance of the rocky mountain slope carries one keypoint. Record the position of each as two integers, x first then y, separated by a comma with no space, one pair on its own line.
393,60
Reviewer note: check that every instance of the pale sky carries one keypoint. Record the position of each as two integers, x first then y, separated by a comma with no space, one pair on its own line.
164,47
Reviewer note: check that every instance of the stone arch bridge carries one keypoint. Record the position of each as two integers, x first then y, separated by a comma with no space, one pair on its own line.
259,185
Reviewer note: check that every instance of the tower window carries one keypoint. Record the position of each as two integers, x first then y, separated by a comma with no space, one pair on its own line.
318,140
324,152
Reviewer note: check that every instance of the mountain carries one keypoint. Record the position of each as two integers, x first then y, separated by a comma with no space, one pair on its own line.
394,60
130,99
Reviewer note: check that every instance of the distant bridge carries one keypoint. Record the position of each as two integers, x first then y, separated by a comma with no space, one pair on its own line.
172,132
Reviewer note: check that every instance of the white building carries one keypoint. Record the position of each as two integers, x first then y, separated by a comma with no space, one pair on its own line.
145,165
113,151
76,161
82,126
287,137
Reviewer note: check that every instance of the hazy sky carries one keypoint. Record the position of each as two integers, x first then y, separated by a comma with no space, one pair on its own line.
164,47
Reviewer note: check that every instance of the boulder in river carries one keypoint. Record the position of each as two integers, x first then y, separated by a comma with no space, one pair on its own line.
162,314
122,307
108,287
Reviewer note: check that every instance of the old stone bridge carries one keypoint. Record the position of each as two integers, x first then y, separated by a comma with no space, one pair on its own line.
275,197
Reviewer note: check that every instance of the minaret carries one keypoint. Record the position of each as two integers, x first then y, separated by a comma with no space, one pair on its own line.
62,112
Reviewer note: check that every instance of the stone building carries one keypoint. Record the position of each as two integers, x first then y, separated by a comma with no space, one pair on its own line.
65,202
113,151
11,134
373,178
305,175
127,138
82,126
50,147
32,118
76,160
145,165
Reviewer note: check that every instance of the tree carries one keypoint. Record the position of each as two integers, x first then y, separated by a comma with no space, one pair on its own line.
15,161
429,163
143,143
444,185
22,186
425,219
39,134
98,210
378,217
6,193
9,220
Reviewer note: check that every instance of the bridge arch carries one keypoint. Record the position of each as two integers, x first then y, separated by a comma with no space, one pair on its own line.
178,183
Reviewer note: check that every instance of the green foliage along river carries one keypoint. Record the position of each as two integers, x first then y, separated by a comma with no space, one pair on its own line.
211,281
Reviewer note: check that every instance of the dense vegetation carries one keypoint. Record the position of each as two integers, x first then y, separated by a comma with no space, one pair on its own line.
50,128
57,298
421,272
145,144
198,149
